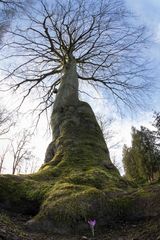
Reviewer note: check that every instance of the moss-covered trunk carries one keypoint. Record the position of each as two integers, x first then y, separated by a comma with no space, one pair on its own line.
73,121
67,96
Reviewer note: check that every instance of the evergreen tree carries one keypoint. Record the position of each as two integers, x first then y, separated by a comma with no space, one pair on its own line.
156,124
142,160
129,163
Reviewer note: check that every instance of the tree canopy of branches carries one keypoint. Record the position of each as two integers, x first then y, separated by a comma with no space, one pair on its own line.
142,160
105,43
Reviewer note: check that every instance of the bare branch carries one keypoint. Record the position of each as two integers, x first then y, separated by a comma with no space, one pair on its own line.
105,43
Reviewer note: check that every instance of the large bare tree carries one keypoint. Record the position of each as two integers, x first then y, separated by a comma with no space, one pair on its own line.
50,51
96,42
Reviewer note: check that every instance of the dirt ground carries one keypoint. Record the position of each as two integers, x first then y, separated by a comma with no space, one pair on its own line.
13,228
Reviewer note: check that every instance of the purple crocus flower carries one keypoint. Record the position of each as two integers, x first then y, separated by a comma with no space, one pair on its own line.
92,224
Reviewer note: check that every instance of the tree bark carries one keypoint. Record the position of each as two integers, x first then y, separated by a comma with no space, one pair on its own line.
67,96
68,90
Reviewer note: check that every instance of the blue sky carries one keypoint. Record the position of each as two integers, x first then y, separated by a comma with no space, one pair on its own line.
148,12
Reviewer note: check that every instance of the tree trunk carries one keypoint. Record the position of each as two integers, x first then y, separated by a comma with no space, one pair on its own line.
68,90
67,96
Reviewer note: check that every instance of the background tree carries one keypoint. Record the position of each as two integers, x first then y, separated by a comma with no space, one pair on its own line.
130,165
6,121
106,125
156,124
142,159
100,46
20,150
2,158
17,146
157,121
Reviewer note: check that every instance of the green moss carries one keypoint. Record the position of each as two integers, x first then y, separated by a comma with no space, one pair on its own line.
22,194
9,229
4,219
69,203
